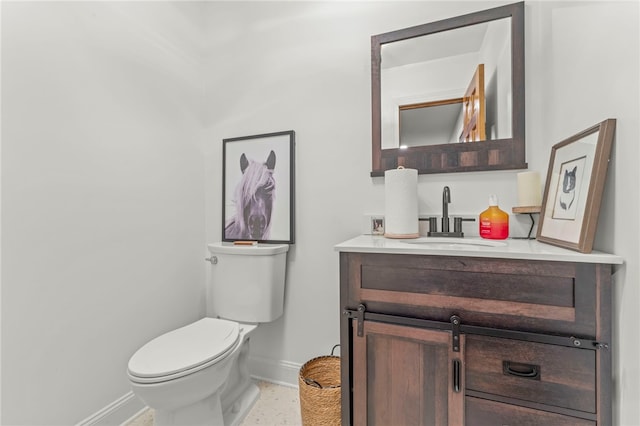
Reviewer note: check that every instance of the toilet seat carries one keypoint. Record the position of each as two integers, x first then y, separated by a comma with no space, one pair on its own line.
184,351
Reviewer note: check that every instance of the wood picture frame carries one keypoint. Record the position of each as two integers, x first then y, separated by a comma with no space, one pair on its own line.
258,188
574,186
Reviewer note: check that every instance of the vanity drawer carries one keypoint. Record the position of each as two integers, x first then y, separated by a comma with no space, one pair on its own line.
541,373
481,412
525,295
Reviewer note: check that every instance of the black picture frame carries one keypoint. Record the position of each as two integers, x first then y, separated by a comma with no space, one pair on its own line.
258,174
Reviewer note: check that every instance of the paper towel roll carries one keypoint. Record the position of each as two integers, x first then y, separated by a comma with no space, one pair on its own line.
401,203
529,193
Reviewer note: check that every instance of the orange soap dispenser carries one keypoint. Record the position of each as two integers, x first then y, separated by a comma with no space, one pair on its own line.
494,223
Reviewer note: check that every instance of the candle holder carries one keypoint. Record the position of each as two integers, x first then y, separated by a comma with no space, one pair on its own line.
530,210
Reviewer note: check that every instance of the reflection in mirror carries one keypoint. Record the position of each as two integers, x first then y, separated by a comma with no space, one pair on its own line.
436,86
430,123
422,70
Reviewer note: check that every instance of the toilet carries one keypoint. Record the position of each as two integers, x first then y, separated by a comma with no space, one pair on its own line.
198,374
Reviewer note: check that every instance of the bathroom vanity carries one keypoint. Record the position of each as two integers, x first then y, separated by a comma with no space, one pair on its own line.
453,332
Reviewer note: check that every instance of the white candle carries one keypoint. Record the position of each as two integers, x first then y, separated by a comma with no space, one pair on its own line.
529,192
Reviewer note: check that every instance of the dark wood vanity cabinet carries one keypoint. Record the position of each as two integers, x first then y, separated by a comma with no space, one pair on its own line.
448,340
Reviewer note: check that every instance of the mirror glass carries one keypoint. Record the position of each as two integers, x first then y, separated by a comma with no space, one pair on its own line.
449,95
423,81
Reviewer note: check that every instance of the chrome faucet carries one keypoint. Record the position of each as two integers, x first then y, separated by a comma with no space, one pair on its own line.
446,199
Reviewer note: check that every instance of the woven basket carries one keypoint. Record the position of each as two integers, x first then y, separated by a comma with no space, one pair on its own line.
319,383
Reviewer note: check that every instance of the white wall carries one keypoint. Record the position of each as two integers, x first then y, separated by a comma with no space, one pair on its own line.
587,69
0,221
103,181
305,66
102,195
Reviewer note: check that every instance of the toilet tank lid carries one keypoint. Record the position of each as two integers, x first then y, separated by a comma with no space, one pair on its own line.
185,348
253,250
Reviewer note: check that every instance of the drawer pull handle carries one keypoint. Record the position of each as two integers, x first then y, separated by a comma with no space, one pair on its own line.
525,371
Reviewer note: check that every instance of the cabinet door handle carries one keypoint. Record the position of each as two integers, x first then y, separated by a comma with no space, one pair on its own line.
525,371
456,375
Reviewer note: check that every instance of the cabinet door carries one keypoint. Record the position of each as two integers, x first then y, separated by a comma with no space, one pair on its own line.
406,376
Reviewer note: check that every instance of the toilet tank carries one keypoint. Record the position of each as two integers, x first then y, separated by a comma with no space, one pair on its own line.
247,282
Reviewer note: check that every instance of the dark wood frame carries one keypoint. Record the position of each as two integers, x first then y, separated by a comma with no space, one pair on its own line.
499,154
605,131
263,139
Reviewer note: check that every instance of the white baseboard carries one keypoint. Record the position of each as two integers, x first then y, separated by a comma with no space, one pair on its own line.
118,412
280,372
128,406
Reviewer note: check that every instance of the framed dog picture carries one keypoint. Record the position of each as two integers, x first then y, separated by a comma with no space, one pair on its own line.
573,189
258,188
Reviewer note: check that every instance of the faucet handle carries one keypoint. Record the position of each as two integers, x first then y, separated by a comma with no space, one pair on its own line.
433,224
457,223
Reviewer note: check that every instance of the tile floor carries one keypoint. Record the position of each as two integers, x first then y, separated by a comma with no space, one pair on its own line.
278,405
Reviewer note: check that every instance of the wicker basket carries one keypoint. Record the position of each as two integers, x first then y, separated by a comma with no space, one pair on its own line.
319,383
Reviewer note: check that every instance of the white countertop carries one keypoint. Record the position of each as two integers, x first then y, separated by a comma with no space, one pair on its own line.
473,247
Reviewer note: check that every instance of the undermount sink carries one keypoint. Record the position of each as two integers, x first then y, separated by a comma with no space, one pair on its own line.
448,243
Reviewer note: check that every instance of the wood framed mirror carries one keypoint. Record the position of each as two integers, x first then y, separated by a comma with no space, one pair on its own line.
449,96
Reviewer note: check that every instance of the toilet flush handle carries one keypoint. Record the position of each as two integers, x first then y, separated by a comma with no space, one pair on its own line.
213,260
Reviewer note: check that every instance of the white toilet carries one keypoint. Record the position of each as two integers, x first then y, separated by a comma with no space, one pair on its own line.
198,374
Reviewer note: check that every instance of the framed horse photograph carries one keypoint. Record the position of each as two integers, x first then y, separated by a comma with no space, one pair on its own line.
258,188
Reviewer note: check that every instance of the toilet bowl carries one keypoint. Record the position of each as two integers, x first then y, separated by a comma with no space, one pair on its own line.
198,374
184,374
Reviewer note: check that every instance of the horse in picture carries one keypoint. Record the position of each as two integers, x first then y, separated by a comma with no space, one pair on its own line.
253,198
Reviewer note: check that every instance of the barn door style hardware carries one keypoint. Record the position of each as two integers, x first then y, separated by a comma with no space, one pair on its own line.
587,344
456,326
455,331
358,315
361,314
